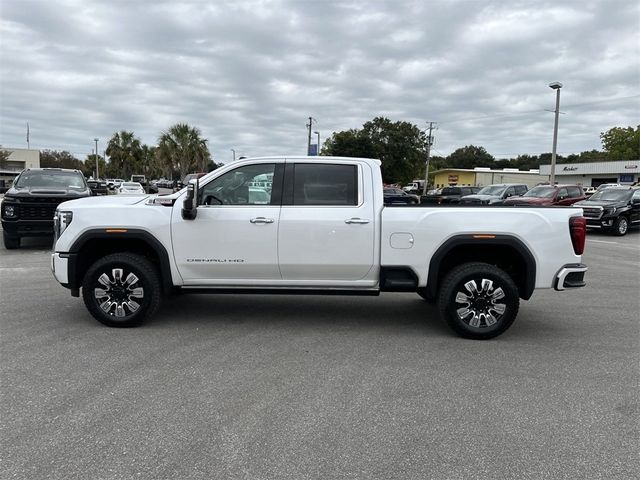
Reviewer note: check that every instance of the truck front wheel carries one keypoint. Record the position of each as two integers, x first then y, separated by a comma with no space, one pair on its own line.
121,290
478,300
620,226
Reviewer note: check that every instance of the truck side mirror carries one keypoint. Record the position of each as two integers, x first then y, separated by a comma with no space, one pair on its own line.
189,210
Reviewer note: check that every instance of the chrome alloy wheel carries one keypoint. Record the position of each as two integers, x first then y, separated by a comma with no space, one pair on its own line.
479,308
623,225
119,297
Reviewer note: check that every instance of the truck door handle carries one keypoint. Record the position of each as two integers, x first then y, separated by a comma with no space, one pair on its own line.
261,220
356,220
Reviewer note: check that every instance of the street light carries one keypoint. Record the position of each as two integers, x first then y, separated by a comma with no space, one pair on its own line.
96,158
318,134
555,86
234,154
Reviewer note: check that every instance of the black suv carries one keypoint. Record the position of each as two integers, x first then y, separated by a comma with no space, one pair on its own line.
612,209
29,205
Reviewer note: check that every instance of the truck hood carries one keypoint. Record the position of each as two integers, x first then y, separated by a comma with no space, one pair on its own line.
482,198
104,201
528,201
46,192
600,203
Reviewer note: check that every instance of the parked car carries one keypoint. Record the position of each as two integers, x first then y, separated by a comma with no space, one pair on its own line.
544,195
29,205
98,187
398,196
613,209
494,194
588,191
326,231
602,186
450,195
131,188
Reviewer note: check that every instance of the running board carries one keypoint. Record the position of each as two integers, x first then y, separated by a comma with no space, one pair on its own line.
279,291
398,279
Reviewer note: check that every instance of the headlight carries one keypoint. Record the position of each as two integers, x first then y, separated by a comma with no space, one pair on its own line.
610,210
8,211
61,221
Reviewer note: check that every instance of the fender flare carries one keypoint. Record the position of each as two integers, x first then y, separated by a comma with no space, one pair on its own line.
487,239
129,233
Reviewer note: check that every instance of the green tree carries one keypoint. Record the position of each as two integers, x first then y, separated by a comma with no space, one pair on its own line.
125,153
470,156
622,143
4,158
89,167
400,146
182,148
59,159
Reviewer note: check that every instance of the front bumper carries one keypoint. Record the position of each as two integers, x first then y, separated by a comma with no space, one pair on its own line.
570,276
604,222
60,267
28,228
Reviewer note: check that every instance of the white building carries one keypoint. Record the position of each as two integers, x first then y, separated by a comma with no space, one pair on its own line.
596,173
19,159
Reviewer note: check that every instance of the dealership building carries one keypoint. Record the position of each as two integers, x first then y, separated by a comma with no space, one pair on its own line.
596,173
19,159
481,176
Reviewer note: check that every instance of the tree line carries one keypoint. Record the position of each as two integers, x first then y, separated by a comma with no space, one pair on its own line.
400,145
180,150
402,148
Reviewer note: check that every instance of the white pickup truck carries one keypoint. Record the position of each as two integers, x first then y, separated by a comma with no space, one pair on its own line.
312,226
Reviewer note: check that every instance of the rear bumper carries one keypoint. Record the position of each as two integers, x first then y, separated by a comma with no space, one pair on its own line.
570,276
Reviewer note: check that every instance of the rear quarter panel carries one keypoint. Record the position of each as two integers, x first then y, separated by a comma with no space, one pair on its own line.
544,231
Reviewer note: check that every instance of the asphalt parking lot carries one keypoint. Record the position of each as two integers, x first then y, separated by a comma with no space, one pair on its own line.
261,387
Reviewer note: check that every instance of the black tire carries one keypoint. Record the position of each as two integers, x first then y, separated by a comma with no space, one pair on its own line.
10,243
620,226
482,321
122,290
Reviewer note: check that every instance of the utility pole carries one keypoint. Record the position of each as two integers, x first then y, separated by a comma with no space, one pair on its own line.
555,86
96,158
309,135
426,173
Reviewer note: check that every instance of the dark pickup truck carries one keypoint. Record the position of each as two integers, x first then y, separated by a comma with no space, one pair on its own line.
613,209
29,206
449,195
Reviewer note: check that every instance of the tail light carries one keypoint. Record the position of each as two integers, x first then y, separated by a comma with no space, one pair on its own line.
439,200
578,231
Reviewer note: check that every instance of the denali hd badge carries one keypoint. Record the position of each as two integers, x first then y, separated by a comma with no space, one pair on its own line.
215,260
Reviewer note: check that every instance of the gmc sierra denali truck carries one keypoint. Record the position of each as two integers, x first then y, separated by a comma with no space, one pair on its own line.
297,225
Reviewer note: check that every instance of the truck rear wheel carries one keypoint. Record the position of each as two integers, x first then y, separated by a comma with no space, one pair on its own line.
478,300
121,290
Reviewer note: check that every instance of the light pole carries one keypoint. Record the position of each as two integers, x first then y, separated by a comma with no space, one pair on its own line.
96,158
555,86
318,134
234,154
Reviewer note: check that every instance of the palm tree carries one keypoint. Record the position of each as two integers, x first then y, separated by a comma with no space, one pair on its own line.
125,152
182,148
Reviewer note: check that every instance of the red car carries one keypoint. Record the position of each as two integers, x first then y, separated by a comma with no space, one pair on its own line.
544,195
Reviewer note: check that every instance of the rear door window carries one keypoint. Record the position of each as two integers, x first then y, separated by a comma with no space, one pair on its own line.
521,189
325,184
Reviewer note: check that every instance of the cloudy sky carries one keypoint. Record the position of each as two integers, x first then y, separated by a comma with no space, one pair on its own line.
248,74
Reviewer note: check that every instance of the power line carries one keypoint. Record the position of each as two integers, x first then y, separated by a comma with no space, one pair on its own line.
515,114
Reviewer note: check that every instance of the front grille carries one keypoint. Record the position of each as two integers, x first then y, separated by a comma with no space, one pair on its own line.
36,212
34,208
592,212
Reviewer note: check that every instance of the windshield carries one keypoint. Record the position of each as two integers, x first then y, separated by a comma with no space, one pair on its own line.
540,192
611,194
496,190
394,191
51,179
451,191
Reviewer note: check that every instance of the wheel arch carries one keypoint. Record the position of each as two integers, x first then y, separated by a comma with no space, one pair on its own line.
94,244
504,251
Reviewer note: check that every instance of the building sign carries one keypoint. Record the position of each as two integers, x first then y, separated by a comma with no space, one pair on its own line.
453,178
569,169
626,177
631,167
